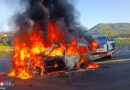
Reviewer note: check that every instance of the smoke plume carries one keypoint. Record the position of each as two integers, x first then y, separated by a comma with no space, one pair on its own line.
42,11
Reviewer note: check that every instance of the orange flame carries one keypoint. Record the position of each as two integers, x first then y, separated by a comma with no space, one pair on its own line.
93,45
72,49
91,65
28,49
83,60
55,65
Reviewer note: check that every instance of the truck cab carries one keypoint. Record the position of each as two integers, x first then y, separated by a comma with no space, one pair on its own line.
104,44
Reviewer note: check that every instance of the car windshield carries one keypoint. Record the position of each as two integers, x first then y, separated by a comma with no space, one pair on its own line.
101,40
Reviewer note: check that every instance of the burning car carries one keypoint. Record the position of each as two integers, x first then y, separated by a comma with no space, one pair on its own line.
68,61
34,56
46,42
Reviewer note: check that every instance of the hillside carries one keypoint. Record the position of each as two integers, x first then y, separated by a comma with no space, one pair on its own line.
113,30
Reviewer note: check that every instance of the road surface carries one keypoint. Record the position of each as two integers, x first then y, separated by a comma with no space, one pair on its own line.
114,74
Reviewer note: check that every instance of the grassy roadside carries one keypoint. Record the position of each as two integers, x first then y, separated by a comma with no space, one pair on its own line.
123,45
2,47
4,53
5,47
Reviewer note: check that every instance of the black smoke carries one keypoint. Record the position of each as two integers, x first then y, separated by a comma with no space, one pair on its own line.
41,11
62,9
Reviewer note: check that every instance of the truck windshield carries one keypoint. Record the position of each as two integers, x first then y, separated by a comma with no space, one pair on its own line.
101,40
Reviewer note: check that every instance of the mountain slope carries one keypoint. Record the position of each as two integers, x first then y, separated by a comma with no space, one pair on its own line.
117,29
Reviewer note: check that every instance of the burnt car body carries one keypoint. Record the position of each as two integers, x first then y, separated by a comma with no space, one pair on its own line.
64,62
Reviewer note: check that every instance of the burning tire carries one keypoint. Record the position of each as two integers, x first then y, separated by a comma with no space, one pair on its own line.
37,71
83,65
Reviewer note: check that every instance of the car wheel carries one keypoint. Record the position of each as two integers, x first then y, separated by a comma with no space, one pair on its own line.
83,66
37,71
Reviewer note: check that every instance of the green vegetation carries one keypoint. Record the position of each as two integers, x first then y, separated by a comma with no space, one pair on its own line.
5,41
123,45
4,53
111,30
2,47
5,47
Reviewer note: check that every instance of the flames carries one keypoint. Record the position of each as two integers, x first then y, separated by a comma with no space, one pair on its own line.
55,65
27,50
91,65
94,45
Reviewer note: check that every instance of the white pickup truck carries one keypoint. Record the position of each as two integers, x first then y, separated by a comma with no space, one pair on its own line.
104,44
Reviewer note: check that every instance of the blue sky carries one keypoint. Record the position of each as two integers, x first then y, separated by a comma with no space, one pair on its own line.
9,8
92,12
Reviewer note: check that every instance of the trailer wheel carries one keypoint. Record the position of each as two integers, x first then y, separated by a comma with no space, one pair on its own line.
110,56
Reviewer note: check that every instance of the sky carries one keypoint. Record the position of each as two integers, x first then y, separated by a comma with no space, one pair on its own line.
92,12
9,8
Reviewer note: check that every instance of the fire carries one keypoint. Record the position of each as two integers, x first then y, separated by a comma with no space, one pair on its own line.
72,49
81,62
27,50
55,65
93,45
22,74
91,65
57,72
83,50
30,48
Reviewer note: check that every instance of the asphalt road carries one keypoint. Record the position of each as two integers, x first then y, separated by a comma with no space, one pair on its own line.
114,74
